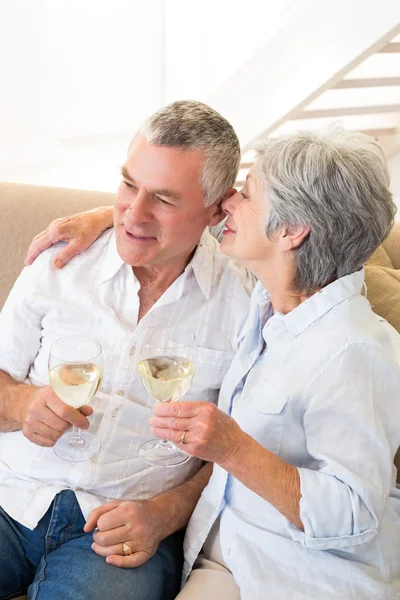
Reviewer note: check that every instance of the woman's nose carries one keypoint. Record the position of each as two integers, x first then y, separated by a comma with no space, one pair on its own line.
229,204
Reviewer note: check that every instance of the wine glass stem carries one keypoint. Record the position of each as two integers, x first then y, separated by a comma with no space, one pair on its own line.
76,440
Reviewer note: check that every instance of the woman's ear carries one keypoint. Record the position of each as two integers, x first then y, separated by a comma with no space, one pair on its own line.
217,214
293,236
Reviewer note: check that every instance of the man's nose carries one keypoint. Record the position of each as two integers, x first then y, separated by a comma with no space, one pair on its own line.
140,209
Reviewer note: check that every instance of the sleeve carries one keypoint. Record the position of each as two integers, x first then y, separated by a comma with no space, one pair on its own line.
21,325
352,433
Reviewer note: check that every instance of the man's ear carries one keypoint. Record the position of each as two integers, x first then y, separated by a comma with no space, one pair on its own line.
293,236
217,213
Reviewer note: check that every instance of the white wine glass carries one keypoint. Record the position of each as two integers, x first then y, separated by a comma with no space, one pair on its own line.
165,366
75,373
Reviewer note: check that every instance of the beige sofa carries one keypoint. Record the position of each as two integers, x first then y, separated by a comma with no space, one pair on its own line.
27,209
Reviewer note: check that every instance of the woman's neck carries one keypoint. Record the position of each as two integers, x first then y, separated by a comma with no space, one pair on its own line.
278,281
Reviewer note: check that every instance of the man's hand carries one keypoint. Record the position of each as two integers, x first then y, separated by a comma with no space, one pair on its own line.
44,417
206,431
79,231
136,523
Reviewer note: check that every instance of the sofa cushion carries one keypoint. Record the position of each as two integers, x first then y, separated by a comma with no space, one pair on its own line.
383,286
392,245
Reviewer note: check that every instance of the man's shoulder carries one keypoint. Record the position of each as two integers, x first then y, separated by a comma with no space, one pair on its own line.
42,276
99,247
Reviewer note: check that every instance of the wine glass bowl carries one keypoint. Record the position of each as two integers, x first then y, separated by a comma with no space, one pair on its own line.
75,374
166,378
165,367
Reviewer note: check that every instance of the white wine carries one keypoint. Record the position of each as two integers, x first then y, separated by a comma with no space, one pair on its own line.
76,384
166,378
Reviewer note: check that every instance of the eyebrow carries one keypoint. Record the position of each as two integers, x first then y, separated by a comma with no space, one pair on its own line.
125,174
161,192
167,194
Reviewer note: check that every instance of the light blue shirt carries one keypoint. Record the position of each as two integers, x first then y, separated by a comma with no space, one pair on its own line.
325,397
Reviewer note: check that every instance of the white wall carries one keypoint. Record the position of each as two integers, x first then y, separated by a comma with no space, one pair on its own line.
207,41
73,69
25,106
107,64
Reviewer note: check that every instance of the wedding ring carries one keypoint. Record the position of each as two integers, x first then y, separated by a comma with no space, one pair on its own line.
182,440
126,549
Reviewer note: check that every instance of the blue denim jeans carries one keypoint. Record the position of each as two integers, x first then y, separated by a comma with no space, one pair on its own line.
55,561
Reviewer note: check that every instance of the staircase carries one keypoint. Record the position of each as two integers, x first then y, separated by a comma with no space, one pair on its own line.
329,61
367,98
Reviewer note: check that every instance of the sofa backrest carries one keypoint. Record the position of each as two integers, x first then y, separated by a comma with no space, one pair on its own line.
25,210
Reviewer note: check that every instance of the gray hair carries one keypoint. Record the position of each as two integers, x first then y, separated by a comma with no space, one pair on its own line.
192,125
336,182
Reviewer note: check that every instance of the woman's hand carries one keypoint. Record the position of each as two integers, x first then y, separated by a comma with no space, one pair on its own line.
79,231
209,433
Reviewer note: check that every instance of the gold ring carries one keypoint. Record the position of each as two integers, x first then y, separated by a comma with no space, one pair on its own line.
127,550
182,440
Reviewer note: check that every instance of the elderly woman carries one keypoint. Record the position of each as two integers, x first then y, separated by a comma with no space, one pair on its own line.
302,502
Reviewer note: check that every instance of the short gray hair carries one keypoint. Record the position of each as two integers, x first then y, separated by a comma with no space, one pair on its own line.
336,182
192,125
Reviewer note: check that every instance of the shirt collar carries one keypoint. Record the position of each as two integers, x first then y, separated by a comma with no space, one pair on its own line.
112,262
322,302
201,263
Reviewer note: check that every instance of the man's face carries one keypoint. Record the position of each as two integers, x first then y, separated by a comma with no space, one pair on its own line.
159,212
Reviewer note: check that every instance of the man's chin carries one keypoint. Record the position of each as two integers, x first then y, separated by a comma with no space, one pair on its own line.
136,255
136,261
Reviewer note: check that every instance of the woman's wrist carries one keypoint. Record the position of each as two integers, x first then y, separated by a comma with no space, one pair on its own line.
237,454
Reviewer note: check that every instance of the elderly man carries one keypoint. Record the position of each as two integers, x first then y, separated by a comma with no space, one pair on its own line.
159,265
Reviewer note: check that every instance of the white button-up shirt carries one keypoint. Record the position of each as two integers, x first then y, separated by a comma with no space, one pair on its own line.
325,397
97,295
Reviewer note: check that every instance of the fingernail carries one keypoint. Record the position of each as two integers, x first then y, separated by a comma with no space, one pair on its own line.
58,264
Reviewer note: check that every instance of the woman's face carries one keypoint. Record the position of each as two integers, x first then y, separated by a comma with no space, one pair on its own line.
244,234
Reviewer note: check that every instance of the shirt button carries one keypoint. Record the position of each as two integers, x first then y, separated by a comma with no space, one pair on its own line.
227,551
120,393
132,350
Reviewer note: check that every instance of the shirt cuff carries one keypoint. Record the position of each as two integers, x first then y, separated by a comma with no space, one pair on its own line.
333,515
